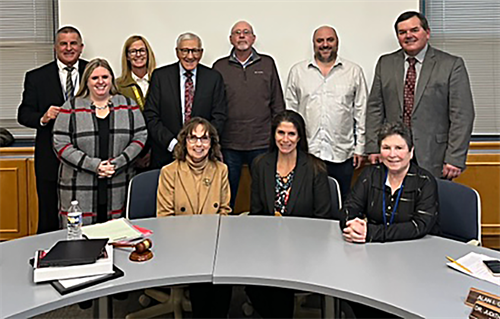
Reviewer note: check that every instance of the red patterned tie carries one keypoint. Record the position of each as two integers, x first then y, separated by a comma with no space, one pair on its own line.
409,92
188,95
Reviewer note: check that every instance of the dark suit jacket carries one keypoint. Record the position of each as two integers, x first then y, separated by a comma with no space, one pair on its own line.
42,89
443,112
163,112
310,193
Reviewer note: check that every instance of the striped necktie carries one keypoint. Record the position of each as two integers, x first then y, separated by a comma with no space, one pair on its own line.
70,88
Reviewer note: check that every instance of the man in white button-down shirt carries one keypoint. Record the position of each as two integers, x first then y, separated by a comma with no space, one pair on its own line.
330,93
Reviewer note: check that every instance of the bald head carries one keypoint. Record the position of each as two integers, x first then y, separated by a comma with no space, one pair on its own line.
242,25
242,37
326,44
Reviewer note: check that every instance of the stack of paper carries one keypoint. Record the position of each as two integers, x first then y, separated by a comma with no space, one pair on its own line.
116,230
474,263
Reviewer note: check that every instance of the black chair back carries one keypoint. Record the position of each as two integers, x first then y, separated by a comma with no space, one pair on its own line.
459,211
141,199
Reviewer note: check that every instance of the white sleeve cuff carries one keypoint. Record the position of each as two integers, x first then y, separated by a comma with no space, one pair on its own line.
172,144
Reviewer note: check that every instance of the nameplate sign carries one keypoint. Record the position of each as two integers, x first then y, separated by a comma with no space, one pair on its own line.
482,310
483,296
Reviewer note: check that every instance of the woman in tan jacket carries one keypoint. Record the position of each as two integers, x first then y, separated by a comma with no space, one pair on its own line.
196,183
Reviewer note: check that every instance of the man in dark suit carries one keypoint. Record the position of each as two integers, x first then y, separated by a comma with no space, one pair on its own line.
430,91
45,90
181,91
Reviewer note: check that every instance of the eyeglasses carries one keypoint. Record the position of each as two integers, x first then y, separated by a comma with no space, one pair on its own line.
185,51
244,32
134,52
193,139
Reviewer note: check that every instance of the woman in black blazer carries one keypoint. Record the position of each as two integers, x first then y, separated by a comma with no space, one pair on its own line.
286,181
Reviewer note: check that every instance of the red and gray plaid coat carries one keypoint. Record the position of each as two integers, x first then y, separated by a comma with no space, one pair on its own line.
76,142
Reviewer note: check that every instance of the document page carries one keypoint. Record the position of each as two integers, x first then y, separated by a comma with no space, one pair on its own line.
116,230
474,262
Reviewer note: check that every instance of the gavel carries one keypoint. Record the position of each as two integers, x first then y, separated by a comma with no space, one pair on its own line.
141,251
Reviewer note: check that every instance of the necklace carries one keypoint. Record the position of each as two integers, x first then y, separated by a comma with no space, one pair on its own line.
101,107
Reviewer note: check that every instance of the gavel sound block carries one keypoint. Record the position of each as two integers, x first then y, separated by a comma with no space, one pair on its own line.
141,251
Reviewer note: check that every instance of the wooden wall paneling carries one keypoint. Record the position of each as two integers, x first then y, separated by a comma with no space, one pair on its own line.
32,198
14,204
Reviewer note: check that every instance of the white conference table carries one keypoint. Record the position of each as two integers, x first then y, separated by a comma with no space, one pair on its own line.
407,278
184,251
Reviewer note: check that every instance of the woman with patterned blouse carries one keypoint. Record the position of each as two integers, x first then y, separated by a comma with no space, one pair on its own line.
286,181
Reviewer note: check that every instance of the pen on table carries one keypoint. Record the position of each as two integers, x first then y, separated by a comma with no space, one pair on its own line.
459,264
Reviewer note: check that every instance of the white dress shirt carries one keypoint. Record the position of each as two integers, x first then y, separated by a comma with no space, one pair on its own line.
75,76
143,83
333,106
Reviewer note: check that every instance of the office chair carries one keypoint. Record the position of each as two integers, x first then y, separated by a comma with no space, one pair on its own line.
141,203
459,212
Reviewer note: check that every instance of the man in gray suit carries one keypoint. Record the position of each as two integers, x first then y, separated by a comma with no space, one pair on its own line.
429,90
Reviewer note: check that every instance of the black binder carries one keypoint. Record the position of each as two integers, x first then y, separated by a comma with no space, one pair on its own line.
74,252
66,290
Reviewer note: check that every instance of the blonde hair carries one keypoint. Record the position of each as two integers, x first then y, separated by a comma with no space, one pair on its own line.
127,67
83,91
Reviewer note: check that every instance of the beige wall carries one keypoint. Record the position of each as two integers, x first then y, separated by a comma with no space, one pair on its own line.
283,28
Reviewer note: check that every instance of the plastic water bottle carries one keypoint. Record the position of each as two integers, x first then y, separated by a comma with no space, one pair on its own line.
75,219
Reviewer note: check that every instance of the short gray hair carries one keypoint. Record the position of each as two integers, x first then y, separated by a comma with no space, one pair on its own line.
188,36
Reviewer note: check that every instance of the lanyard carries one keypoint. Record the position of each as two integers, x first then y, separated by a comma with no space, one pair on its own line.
397,201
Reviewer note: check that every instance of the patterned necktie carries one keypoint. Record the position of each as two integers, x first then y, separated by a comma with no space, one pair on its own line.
409,92
188,95
70,89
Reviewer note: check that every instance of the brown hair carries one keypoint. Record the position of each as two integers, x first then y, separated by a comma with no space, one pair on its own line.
180,150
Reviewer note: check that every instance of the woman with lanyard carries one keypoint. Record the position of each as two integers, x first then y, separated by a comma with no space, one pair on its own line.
138,63
286,181
394,200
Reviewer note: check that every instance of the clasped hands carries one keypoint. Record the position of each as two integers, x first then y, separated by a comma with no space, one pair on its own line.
105,169
355,231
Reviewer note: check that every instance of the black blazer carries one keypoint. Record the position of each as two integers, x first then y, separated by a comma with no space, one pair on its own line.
310,193
42,89
163,112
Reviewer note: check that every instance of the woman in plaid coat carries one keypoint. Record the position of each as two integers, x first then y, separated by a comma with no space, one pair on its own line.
97,135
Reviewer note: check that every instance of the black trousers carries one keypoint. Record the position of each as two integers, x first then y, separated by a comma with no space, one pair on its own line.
48,208
271,302
209,300
342,172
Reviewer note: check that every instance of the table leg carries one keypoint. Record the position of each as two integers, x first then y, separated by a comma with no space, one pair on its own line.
103,307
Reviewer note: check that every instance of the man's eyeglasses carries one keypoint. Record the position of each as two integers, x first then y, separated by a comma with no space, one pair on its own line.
240,32
193,139
134,52
185,51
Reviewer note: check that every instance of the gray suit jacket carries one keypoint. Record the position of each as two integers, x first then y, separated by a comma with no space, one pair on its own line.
443,112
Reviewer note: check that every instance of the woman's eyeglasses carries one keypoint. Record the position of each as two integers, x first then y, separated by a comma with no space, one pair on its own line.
192,139
134,52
